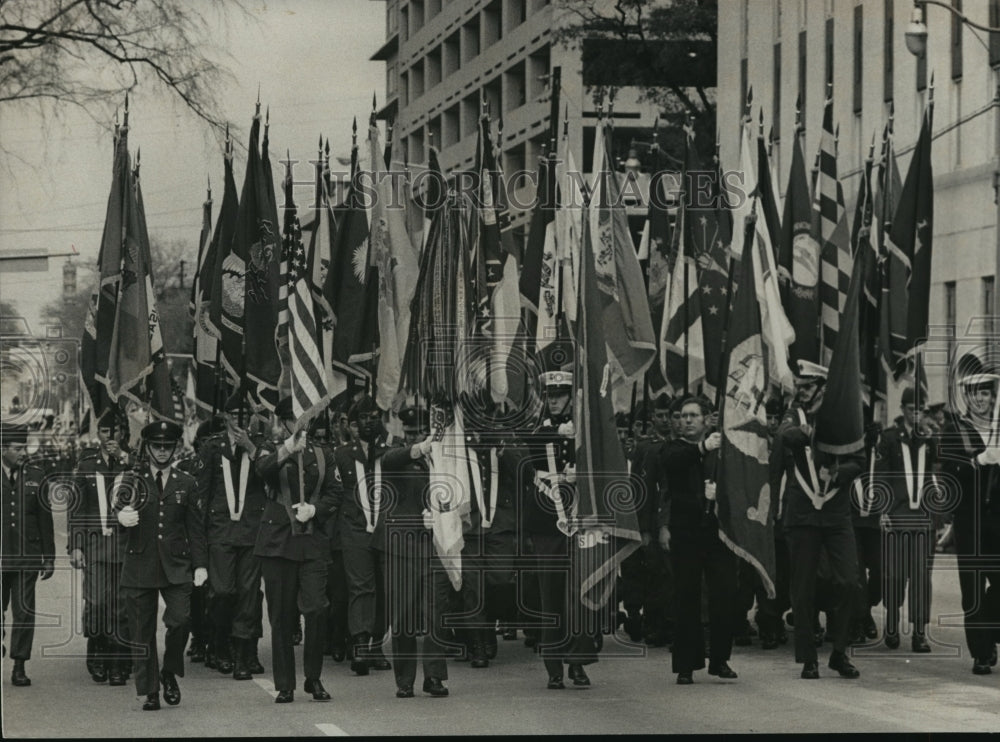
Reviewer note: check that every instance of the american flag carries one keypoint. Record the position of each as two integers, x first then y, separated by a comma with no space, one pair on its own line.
308,378
830,230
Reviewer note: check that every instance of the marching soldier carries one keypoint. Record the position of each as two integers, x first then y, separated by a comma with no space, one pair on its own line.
868,536
689,531
303,491
336,580
548,514
361,472
906,460
96,545
234,500
418,587
817,516
970,453
771,611
28,543
166,539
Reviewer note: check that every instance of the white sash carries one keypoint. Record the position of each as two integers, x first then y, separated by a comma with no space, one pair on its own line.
863,493
915,498
548,482
102,505
369,507
487,510
814,492
227,476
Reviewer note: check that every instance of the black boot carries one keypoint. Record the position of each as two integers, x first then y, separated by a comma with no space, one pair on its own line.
477,649
359,662
253,662
241,666
17,676
96,663
224,654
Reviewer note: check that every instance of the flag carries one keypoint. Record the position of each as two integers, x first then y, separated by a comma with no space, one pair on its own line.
776,331
628,326
840,427
539,271
799,262
909,247
321,236
890,185
203,377
767,190
655,249
307,374
873,380
830,230
351,288
222,283
397,266
743,488
607,527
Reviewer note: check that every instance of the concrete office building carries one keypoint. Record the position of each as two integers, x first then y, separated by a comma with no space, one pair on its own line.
789,48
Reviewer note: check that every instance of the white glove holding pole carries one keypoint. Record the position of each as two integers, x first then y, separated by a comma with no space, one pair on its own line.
710,490
128,517
304,511
713,441
200,576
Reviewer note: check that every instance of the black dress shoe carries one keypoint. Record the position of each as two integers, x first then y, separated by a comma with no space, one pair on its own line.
510,635
993,656
17,676
722,670
810,671
211,662
490,645
359,666
919,644
152,702
285,696
530,641
684,678
578,675
99,673
555,682
892,640
435,687
981,667
404,692
253,662
338,652
171,691
377,660
316,689
768,641
116,677
225,666
870,629
840,663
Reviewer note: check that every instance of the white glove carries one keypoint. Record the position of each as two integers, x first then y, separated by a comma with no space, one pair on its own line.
989,456
128,517
295,443
710,490
713,441
200,576
304,511
664,538
567,429
77,560
428,520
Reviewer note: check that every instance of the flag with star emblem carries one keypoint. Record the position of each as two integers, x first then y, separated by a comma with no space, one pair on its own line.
744,501
831,232
909,246
799,262
397,267
628,326
308,377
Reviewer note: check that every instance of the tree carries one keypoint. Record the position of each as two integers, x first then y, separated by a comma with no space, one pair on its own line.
667,48
84,51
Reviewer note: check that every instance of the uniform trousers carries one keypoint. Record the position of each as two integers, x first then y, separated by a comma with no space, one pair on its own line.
979,583
487,592
909,555
695,553
646,584
291,588
418,597
19,595
234,592
870,569
805,544
366,591
105,613
569,627
337,595
143,605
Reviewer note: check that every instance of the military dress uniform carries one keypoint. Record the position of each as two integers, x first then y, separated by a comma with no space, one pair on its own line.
234,502
866,516
361,474
93,529
28,549
418,589
161,553
977,530
907,459
294,558
817,516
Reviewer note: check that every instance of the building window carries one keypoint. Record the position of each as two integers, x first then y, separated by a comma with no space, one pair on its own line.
416,16
802,72
829,50
776,102
859,21
492,24
517,11
390,80
956,41
989,297
994,38
515,93
404,24
888,37
432,68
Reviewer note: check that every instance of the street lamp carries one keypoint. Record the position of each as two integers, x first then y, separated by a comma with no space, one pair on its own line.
916,43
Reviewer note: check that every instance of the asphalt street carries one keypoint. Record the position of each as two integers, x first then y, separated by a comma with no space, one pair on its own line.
633,692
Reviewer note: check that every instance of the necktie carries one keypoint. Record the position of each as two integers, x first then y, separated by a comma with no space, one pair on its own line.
159,482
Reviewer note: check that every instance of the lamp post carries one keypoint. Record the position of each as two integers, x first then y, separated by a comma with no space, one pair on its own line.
916,43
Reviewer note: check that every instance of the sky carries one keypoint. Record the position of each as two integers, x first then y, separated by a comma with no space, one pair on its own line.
310,59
